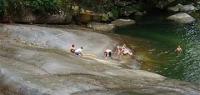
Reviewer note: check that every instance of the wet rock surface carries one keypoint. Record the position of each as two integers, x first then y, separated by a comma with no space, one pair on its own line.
35,61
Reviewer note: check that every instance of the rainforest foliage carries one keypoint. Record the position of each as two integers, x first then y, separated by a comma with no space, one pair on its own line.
115,8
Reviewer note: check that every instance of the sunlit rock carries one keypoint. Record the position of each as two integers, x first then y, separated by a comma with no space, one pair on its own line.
188,8
51,70
181,18
175,8
182,8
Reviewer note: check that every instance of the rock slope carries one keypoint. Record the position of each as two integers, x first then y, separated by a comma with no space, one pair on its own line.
34,60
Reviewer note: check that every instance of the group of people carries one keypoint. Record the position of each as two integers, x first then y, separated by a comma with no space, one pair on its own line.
123,50
75,51
120,50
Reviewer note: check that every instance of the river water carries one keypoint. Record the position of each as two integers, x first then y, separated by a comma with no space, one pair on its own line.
155,40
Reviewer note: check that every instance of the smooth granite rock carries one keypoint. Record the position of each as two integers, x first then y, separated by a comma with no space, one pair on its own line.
181,18
35,60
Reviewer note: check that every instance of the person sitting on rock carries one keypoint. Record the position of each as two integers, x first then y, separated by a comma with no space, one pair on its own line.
119,50
108,53
72,49
78,52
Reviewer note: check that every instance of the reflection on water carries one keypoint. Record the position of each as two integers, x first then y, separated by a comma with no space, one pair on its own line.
155,44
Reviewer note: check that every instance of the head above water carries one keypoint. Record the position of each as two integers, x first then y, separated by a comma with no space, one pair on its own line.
81,47
73,45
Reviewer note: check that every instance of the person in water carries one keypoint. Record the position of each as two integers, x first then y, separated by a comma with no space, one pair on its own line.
108,53
78,52
178,49
72,49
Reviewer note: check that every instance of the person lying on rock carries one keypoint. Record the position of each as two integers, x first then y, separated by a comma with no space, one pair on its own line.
72,49
108,53
123,50
127,51
78,51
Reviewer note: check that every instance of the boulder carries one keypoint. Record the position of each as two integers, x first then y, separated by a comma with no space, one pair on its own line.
188,8
175,8
163,3
58,19
27,17
85,18
101,27
123,22
181,18
182,8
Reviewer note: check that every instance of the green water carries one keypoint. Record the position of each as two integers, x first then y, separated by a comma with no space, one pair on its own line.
155,40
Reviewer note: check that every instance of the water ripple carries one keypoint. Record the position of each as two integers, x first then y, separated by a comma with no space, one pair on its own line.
191,59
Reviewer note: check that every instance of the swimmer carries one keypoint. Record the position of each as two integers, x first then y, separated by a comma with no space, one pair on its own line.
178,49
